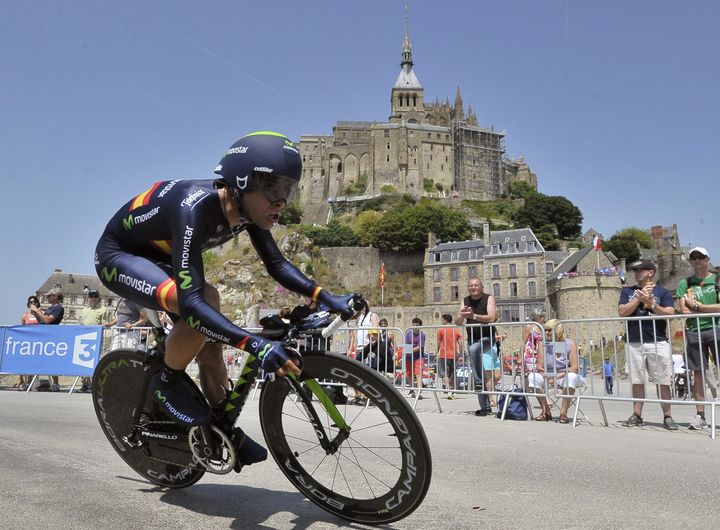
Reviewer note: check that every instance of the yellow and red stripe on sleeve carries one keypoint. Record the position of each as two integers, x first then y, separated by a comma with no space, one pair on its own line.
144,198
164,292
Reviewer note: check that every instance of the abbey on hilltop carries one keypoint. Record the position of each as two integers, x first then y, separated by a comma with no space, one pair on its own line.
434,149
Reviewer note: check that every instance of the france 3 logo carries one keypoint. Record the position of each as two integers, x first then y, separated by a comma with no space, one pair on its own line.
85,352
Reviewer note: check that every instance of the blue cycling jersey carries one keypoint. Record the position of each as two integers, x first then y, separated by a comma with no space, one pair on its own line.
153,247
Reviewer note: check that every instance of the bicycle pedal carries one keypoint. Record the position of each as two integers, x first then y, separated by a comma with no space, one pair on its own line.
212,449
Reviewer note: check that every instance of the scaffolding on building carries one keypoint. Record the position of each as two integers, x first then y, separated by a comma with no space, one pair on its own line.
478,155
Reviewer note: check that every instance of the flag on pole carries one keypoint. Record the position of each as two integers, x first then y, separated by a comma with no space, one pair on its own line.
382,274
596,243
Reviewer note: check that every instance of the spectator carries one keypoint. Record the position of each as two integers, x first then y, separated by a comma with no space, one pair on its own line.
415,338
533,337
479,308
93,314
561,363
698,294
360,338
647,350
28,319
128,317
53,315
608,374
449,341
378,354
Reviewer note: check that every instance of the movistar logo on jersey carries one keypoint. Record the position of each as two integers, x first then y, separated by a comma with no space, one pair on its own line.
128,222
131,220
137,284
110,276
195,324
266,349
186,279
159,396
187,240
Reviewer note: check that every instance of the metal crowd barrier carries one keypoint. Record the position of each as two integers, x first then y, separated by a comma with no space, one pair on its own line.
595,340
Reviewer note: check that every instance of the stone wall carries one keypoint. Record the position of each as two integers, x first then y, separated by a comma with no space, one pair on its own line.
356,267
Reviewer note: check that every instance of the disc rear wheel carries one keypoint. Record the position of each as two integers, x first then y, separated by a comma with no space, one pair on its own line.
157,448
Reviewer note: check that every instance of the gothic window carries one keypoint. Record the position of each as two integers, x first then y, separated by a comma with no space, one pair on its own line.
414,101
339,167
388,145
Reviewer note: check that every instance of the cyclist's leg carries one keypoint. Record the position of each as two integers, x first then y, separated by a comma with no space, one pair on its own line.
114,267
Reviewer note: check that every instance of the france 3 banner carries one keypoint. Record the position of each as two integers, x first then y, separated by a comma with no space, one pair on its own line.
51,350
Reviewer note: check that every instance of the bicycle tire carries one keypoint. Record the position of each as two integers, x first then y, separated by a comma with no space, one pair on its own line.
117,383
368,458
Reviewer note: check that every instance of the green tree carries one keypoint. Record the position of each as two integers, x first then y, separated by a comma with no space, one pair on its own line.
407,228
546,237
367,226
335,234
291,214
521,190
626,243
540,210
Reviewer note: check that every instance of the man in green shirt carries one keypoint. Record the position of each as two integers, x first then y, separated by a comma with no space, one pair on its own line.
697,295
93,314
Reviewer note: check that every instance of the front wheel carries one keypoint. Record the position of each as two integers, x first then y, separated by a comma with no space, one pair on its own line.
380,473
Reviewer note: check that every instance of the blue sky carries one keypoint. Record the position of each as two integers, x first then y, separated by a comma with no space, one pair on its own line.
613,104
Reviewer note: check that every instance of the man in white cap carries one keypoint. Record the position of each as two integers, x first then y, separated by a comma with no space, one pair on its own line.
699,294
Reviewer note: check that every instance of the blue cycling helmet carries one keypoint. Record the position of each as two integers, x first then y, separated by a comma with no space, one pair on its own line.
263,161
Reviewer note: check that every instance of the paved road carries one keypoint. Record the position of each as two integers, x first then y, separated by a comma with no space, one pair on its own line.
58,471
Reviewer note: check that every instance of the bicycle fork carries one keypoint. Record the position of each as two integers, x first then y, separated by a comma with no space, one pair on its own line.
330,446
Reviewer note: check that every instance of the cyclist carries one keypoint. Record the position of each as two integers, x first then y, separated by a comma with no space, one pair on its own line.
151,253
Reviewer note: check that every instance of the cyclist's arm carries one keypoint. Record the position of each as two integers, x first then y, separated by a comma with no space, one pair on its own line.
187,261
282,271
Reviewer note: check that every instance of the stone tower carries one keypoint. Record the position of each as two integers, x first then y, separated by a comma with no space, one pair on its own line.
406,98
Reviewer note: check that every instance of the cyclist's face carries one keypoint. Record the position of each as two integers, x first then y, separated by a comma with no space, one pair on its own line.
260,211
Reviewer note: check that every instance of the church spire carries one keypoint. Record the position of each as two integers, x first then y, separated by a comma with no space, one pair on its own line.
406,57
459,113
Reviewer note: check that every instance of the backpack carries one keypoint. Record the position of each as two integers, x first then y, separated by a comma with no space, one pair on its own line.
516,409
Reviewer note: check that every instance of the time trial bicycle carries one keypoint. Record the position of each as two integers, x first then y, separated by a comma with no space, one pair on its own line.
369,464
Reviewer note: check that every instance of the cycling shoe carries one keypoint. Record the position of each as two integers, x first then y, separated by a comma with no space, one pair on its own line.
248,450
175,398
